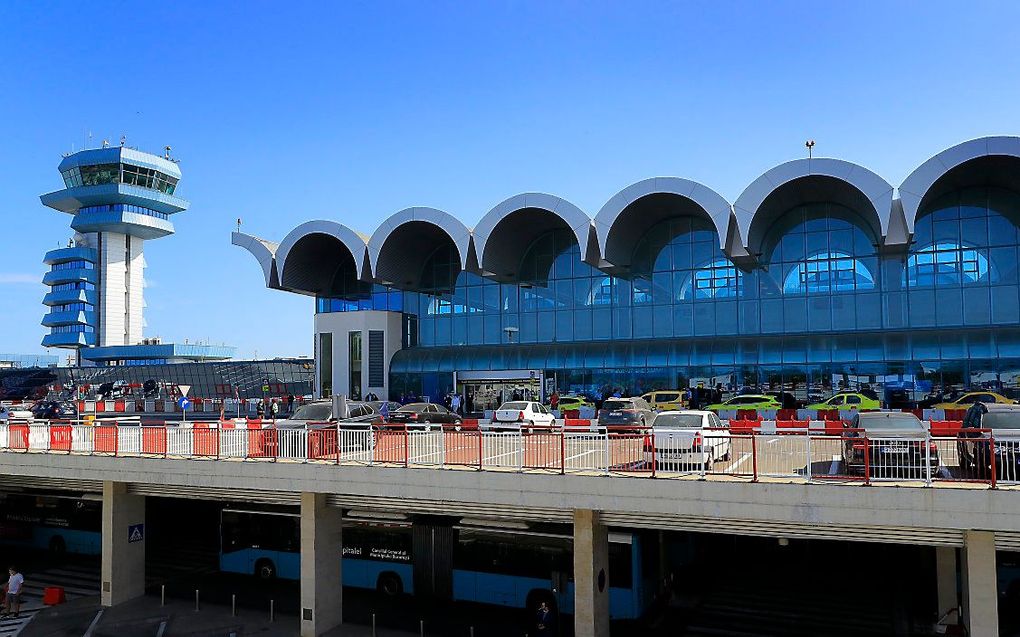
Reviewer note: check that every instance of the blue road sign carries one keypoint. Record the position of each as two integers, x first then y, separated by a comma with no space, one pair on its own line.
184,403
136,533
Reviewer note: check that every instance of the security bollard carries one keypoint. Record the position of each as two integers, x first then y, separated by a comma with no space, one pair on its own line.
272,613
373,624
196,600
421,624
162,595
233,605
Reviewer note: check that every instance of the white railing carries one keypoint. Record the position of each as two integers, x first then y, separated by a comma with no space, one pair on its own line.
982,456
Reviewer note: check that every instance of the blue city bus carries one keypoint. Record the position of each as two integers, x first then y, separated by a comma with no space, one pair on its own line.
514,567
57,523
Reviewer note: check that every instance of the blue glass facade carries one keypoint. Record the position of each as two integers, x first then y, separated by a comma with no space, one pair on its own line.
823,304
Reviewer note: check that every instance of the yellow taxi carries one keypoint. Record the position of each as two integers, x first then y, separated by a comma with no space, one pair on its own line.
665,399
968,399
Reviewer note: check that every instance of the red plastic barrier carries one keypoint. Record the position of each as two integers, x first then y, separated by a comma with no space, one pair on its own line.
106,439
583,423
263,443
917,412
828,414
81,406
833,427
955,414
17,437
792,424
946,427
119,406
100,406
60,437
747,414
744,426
154,440
786,414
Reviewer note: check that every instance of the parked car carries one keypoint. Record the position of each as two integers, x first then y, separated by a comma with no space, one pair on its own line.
973,446
319,414
683,440
5,415
847,400
665,400
968,399
573,402
521,413
785,398
391,406
54,410
626,412
424,414
748,401
895,446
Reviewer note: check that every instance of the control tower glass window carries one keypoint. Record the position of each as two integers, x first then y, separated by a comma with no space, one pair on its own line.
100,174
119,173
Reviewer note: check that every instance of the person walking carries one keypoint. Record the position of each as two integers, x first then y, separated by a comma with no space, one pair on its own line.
554,400
455,404
274,408
260,408
544,620
290,403
12,590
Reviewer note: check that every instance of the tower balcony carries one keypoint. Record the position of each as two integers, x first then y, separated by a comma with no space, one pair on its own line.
70,200
70,275
75,253
69,339
144,225
70,317
65,297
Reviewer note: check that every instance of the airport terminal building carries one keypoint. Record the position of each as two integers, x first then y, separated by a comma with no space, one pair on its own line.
820,276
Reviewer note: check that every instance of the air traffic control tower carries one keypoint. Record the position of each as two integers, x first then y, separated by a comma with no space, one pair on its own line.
119,198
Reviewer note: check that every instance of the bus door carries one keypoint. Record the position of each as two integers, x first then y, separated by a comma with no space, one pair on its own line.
433,560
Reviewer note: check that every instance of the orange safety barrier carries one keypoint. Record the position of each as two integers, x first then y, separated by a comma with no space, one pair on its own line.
205,441
17,437
154,440
946,427
917,412
106,439
263,443
53,595
60,438
81,406
747,414
100,406
744,426
322,444
119,406
391,446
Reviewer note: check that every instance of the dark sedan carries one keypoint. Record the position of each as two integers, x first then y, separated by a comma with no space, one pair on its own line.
626,412
897,445
54,410
424,414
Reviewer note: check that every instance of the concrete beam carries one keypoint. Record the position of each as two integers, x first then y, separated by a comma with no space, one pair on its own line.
850,507
591,575
321,594
980,596
123,545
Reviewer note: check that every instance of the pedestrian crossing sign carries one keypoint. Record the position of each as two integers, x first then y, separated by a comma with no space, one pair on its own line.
136,533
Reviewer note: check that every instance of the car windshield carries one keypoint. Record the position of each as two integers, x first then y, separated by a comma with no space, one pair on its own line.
316,411
517,406
898,422
666,398
1001,420
414,407
618,404
678,421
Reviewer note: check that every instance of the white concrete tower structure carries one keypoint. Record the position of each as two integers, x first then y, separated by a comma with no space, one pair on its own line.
119,198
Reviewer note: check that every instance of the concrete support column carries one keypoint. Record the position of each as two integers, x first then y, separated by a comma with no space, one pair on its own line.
123,569
591,575
980,597
321,548
946,579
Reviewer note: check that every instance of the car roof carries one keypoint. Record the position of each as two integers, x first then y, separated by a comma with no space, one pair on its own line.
1001,407
690,412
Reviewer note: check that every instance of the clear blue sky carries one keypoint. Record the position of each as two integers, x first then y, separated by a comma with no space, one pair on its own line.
289,111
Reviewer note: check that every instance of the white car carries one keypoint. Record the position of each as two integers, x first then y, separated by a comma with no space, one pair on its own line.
687,441
521,413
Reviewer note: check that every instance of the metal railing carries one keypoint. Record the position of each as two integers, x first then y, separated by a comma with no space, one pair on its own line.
845,455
